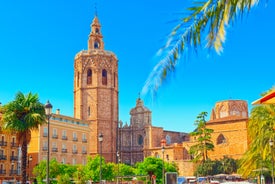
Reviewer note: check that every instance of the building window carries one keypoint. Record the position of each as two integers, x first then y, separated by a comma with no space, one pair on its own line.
96,45
83,161
74,161
168,139
140,140
89,111
96,30
45,146
84,138
114,79
89,76
104,77
45,132
77,79
54,133
64,135
221,139
63,160
74,136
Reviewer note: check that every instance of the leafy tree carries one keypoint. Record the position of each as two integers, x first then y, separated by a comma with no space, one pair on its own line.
57,170
206,20
260,129
203,137
92,169
22,115
229,165
64,179
79,175
152,165
124,170
208,167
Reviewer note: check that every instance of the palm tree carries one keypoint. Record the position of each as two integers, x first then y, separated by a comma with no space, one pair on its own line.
260,130
211,15
22,115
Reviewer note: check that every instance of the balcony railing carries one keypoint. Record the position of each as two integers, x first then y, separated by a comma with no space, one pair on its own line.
55,136
3,157
12,158
84,140
64,150
45,134
54,149
75,139
45,148
64,137
74,151
3,143
2,171
84,151
14,145
13,172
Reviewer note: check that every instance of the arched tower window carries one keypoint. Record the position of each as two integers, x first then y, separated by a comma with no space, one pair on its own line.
104,77
89,76
89,111
221,139
97,31
77,79
96,45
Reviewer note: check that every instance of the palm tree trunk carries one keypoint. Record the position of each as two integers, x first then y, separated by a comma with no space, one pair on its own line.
24,160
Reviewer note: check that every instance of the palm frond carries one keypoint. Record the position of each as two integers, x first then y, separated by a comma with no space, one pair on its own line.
187,36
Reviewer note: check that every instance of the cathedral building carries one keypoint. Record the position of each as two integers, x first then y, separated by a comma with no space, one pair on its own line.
96,111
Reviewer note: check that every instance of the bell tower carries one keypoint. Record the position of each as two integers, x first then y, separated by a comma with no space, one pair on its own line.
96,92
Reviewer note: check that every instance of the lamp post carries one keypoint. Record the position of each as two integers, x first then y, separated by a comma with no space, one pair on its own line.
100,139
163,143
118,161
272,160
48,112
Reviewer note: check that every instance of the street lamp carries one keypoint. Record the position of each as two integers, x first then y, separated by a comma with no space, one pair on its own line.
48,112
271,150
100,139
163,143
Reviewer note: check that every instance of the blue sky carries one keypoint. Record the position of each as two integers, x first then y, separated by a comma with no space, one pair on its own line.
39,39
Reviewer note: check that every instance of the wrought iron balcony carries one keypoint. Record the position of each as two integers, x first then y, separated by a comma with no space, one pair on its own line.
3,171
55,136
64,137
12,158
54,149
3,143
3,157
64,150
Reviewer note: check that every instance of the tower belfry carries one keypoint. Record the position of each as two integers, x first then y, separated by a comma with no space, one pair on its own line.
96,92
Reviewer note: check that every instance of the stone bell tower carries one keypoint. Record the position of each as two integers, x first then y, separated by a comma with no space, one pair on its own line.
96,92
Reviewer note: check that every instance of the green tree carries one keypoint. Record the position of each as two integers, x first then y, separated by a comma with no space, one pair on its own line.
22,115
229,165
203,138
260,129
92,169
205,20
57,171
152,165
